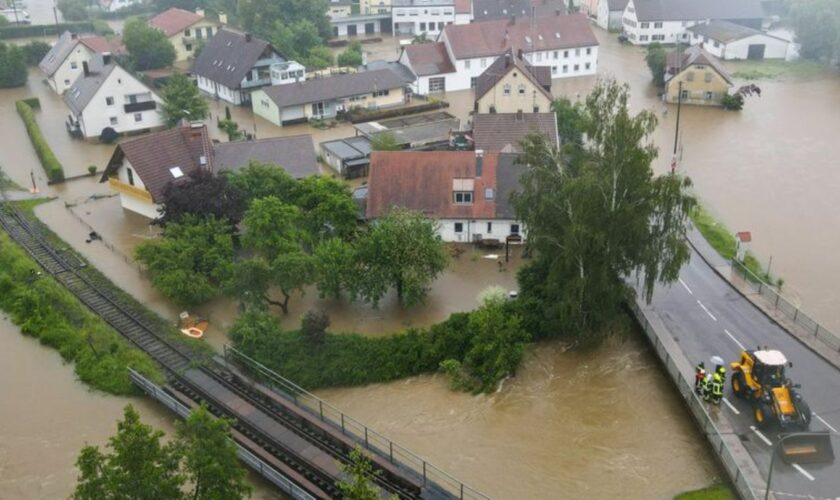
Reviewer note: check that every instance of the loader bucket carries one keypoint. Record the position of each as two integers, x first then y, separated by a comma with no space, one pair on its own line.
813,448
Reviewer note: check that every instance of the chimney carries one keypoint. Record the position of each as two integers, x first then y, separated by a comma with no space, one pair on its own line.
106,58
200,12
74,36
247,37
519,54
507,59
222,18
86,68
479,162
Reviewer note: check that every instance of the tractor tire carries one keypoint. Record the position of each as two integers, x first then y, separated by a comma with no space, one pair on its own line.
763,415
739,385
805,415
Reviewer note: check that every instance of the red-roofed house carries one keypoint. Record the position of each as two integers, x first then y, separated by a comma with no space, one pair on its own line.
564,43
186,29
467,192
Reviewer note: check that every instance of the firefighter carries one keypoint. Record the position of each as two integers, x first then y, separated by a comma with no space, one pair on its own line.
717,388
699,378
707,387
722,371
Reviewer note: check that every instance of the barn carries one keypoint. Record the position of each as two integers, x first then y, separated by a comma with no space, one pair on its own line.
728,41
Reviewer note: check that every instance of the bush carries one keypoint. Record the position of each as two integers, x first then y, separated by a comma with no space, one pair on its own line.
108,135
313,325
33,102
733,102
34,52
12,66
45,310
92,169
51,165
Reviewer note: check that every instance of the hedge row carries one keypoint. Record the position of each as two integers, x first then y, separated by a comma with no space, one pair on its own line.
44,29
53,168
47,311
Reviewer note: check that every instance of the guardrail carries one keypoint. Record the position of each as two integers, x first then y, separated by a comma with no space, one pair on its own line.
685,387
246,456
431,475
773,297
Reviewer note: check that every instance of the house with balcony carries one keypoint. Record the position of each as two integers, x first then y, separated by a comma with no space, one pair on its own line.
695,77
106,96
429,17
667,21
233,64
466,192
564,43
186,30
62,65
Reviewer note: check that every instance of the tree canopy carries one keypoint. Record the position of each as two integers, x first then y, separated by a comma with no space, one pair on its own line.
12,66
817,27
73,10
352,55
597,218
201,195
657,61
182,100
386,141
260,16
34,52
148,48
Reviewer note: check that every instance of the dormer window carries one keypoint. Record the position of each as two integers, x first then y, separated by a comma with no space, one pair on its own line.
463,197
462,191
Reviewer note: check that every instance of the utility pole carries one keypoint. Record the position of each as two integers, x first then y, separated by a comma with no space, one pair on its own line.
677,131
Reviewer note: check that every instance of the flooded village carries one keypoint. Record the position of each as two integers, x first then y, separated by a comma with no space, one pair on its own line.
572,423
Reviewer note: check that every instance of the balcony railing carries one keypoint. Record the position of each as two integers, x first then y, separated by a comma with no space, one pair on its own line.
122,187
140,106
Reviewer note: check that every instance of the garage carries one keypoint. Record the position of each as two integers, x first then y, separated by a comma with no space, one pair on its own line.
756,51
370,28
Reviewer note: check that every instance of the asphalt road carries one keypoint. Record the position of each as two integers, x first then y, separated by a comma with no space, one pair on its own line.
708,317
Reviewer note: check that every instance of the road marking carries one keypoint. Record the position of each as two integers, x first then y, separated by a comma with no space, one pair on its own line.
803,471
707,311
762,436
686,287
734,339
824,422
731,407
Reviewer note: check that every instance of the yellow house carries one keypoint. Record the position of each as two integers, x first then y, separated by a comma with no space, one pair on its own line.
186,30
698,75
327,97
511,85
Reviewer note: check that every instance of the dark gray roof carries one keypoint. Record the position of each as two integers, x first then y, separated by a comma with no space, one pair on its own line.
228,57
85,87
616,5
508,172
689,10
295,154
398,67
695,54
503,132
58,53
725,31
349,148
539,76
485,10
334,87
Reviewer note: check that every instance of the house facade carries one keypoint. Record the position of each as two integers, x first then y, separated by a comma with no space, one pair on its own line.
326,97
186,30
62,65
416,17
511,85
370,7
489,10
696,77
610,13
233,64
466,192
726,40
107,96
564,43
667,21
116,5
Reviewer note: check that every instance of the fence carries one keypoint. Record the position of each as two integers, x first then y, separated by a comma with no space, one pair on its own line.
773,297
698,409
246,456
107,244
431,475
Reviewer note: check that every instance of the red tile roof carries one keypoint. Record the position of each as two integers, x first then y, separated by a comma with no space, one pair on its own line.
429,59
463,6
101,45
423,181
174,20
492,38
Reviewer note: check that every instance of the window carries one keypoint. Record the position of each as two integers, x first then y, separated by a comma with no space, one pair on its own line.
506,89
556,55
589,51
577,67
437,84
489,227
521,89
587,65
554,70
113,120
188,46
109,101
644,26
467,64
264,102
709,96
716,44
539,56
422,26
690,76
209,31
707,77
643,38
657,25
440,26
66,82
74,65
138,117
565,68
684,95
492,109
187,32
130,174
536,109
198,34
489,194
577,52
473,82
514,229
463,197
483,62
380,93
658,38
565,54
459,227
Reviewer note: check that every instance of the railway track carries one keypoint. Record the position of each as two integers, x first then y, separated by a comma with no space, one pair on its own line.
280,430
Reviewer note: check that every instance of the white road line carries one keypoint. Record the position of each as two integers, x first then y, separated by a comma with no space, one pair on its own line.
707,311
731,407
686,287
803,471
762,436
824,422
734,339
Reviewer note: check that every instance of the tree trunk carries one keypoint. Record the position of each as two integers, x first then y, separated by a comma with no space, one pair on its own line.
399,285
284,306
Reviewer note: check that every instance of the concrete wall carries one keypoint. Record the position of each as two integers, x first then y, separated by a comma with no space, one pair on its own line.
340,28
694,82
514,101
97,115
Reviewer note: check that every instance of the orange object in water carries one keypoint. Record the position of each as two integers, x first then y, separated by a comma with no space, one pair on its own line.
192,326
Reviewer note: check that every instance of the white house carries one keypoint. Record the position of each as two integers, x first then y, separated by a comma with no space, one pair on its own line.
62,65
415,17
115,5
366,24
564,43
667,21
726,40
232,65
107,96
610,13
467,192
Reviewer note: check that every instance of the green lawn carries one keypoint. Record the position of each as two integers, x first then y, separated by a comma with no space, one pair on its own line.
775,69
716,492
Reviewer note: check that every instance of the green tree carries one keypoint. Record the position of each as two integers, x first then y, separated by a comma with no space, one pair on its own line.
192,261
3,21
817,27
352,56
599,219
73,10
334,259
260,16
319,58
327,208
231,128
401,250
258,180
209,457
571,120
313,325
200,195
34,52
138,466
657,61
360,474
181,100
386,141
12,67
420,39
148,48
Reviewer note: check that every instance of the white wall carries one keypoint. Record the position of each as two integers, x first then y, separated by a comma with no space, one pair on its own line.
360,27
215,89
139,206
644,33
500,229
429,15
97,115
603,19
774,48
566,63
66,74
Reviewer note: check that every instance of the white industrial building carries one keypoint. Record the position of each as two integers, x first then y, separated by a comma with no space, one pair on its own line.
726,40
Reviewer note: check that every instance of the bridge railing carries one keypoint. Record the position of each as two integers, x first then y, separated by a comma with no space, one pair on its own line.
429,474
705,420
781,304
